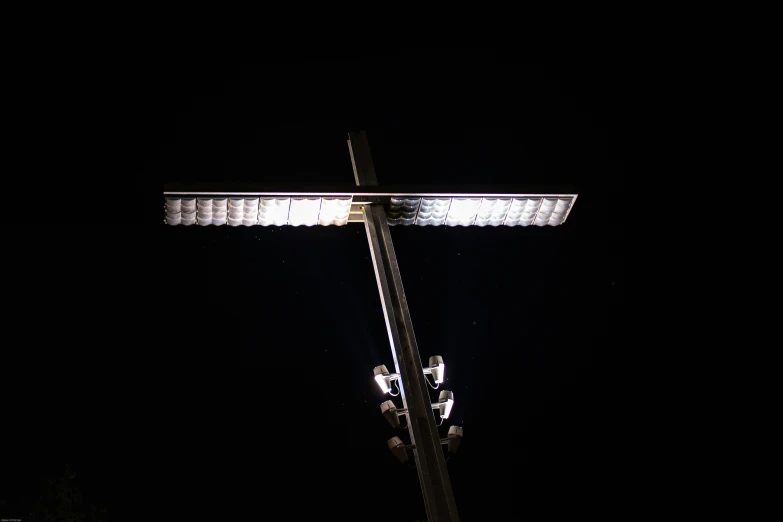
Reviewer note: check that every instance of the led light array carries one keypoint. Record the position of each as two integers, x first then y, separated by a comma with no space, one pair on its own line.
552,212
307,211
522,212
402,211
433,211
492,211
180,211
173,211
463,211
242,211
211,211
536,211
478,211
334,211
273,211
304,211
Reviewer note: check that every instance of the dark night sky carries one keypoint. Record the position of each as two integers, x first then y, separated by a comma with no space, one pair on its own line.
254,393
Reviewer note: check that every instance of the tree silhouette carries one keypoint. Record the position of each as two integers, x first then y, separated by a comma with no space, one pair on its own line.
61,501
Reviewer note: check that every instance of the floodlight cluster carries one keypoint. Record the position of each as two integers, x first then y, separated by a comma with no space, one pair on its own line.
437,369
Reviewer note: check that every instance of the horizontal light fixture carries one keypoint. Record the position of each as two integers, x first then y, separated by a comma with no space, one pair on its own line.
480,212
264,211
401,209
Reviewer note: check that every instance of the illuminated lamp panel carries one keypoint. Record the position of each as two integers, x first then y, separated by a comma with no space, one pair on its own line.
273,211
236,211
521,212
334,211
173,211
402,211
463,211
492,211
188,207
552,211
304,211
250,212
211,211
433,211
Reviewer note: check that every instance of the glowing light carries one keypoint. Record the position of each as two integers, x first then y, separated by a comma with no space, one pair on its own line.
211,211
462,212
334,211
188,207
236,211
273,211
382,378
437,368
250,212
433,211
446,402
304,211
173,211
325,210
492,212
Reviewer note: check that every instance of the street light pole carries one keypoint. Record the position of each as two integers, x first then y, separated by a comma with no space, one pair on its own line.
219,204
430,463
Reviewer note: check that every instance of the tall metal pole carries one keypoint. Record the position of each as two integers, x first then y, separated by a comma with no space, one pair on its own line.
430,463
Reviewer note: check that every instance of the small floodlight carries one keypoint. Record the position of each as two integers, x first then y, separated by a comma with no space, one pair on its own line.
392,413
452,441
384,378
445,403
398,449
454,438
437,368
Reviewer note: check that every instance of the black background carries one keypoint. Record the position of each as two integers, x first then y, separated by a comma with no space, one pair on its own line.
229,370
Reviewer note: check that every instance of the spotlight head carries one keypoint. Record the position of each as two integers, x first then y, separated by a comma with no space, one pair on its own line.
390,412
398,449
438,368
446,401
454,438
382,378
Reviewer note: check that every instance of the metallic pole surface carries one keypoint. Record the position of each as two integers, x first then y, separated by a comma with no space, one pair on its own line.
430,463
